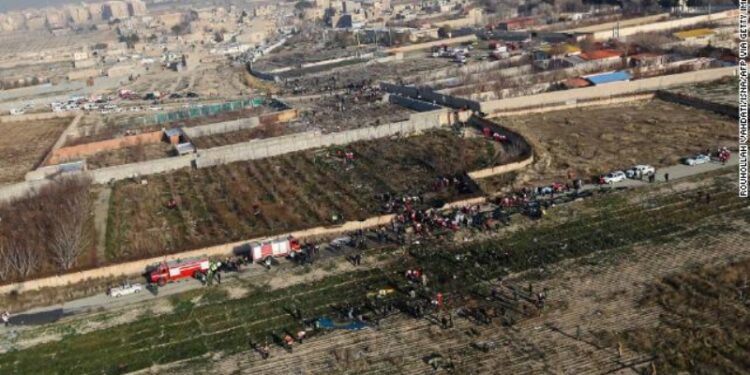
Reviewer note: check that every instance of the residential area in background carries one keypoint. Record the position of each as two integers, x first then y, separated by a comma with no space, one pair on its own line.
372,186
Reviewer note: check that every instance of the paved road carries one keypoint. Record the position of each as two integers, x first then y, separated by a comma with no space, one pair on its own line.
52,313
48,314
675,172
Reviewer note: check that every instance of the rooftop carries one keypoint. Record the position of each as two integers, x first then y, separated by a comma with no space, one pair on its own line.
600,79
600,54
694,33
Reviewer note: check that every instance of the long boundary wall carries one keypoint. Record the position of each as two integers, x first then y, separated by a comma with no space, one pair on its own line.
36,116
221,127
666,25
421,46
426,94
694,101
121,172
264,148
241,124
628,22
570,97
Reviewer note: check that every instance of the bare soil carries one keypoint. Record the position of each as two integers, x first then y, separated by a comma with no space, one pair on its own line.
24,144
592,141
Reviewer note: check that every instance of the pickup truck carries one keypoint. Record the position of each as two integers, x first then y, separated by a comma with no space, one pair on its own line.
124,290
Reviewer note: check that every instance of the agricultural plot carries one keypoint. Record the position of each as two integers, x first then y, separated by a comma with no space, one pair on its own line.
24,144
133,154
596,140
294,191
333,114
239,136
704,324
409,70
221,329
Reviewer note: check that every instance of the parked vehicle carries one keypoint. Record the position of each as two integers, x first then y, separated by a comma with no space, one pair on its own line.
613,177
275,248
697,159
640,170
124,290
173,271
341,241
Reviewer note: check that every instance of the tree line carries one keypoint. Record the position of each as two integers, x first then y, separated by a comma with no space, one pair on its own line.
46,232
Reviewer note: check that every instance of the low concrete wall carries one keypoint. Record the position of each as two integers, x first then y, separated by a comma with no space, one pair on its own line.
570,97
88,149
621,23
121,172
221,127
36,116
420,46
666,25
21,189
417,105
426,94
625,98
693,101
241,124
501,169
264,148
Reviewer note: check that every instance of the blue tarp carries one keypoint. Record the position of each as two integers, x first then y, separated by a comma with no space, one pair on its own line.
327,323
599,79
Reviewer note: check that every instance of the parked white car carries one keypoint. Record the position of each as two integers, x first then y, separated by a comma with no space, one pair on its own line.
697,159
125,289
614,177
640,170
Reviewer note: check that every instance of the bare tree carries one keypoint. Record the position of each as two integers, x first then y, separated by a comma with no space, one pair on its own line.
70,235
4,262
21,258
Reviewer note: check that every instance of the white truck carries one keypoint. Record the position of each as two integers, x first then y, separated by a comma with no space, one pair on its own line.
124,290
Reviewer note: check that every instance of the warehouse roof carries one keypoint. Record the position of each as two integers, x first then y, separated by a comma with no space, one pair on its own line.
694,33
600,79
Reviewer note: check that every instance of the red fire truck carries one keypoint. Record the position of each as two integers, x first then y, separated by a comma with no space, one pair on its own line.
172,271
275,248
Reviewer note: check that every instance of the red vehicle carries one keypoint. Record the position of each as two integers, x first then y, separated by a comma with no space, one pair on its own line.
276,248
172,271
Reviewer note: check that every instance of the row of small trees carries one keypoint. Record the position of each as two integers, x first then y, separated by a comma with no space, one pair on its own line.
46,232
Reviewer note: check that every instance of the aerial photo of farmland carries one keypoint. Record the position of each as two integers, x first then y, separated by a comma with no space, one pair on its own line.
374,187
